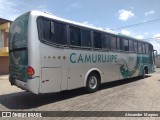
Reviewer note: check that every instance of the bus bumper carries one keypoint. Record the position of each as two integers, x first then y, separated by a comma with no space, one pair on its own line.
32,85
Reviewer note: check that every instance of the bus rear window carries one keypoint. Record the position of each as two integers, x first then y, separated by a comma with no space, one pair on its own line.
52,32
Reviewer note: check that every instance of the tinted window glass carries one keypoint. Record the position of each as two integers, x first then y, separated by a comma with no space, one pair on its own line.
147,48
131,47
46,29
75,36
58,33
105,41
139,47
150,49
86,38
113,42
97,40
126,45
143,48
119,44
53,32
136,47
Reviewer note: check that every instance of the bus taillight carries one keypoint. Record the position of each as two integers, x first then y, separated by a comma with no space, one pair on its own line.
30,71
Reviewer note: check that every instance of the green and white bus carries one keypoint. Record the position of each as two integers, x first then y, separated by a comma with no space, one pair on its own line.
50,54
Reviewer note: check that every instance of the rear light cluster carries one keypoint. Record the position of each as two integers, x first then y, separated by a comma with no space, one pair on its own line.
30,71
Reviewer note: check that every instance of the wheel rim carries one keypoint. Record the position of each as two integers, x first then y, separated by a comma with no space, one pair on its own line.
93,82
143,73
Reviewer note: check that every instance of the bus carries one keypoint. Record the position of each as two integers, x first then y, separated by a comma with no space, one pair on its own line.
50,54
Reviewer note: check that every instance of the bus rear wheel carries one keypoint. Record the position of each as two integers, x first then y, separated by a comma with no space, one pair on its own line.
92,83
143,74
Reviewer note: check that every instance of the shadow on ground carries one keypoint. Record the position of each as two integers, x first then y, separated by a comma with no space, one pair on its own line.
26,100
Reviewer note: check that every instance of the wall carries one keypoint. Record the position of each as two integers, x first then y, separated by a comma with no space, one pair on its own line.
4,64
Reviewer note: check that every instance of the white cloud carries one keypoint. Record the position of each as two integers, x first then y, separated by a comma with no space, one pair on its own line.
125,32
87,23
139,37
149,13
42,8
156,45
8,9
156,36
75,5
12,9
146,33
124,15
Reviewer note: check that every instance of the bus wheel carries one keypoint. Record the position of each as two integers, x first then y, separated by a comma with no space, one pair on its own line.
92,83
143,74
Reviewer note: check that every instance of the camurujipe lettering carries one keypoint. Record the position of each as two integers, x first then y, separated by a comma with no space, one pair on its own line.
92,58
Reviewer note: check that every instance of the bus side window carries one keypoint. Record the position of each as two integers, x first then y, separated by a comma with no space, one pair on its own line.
58,33
45,30
151,54
113,42
85,38
143,48
119,44
52,32
126,44
97,40
75,36
139,47
147,48
105,41
131,46
135,46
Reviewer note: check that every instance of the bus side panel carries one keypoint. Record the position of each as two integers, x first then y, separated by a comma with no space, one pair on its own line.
64,80
74,79
51,80
51,57
129,65
34,52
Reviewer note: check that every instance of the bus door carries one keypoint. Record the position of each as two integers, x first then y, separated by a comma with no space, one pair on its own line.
154,57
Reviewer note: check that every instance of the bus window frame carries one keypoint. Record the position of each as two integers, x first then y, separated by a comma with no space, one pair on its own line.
132,45
104,34
147,52
82,28
94,48
121,43
46,41
124,46
78,47
141,48
73,46
135,41
110,42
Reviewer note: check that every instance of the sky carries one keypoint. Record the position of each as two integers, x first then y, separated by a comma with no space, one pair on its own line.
98,13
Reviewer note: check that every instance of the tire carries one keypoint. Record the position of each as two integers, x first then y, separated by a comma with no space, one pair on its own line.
143,74
93,82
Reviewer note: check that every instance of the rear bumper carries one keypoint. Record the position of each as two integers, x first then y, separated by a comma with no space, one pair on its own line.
32,85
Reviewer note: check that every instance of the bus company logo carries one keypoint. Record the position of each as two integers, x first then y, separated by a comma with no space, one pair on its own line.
93,58
6,114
